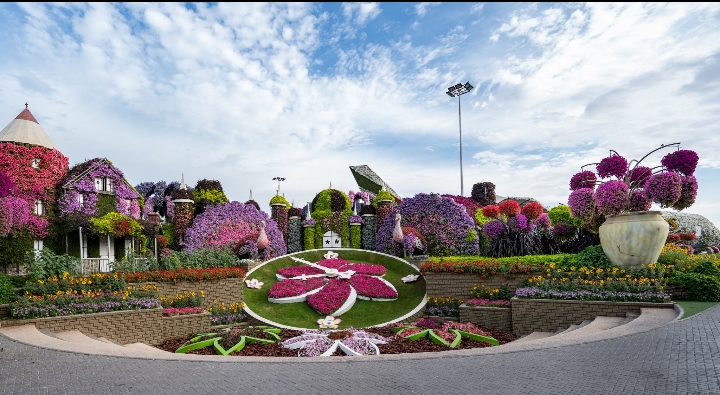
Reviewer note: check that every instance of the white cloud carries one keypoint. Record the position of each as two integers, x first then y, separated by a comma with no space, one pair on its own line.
422,8
477,8
361,13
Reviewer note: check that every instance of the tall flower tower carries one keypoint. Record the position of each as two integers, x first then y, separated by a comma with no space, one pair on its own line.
184,210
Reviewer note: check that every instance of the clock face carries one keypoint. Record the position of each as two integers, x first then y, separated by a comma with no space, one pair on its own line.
332,239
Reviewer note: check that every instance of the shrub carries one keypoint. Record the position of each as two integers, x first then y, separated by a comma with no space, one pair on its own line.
593,256
560,214
48,264
277,199
532,210
700,287
200,258
7,291
383,195
509,207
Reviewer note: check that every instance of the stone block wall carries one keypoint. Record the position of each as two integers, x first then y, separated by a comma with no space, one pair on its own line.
459,285
185,325
228,291
131,326
549,315
488,317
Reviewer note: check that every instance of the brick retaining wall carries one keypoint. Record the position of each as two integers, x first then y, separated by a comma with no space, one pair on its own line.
228,290
129,326
185,325
549,315
488,317
459,285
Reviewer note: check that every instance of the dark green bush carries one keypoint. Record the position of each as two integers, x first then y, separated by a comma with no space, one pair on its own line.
47,264
707,267
593,256
700,287
7,292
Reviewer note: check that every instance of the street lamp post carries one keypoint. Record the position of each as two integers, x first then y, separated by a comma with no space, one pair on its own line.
279,179
459,90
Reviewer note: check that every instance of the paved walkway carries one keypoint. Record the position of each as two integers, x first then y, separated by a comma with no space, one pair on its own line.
680,358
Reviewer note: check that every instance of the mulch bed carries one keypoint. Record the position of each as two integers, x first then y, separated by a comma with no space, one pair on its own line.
398,345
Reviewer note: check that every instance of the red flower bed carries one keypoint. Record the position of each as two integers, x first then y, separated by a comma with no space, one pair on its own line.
509,208
184,274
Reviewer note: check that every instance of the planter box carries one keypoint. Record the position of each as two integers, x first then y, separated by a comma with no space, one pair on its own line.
129,326
228,290
549,315
488,317
460,285
185,325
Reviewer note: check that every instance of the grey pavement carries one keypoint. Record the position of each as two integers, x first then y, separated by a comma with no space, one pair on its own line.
682,357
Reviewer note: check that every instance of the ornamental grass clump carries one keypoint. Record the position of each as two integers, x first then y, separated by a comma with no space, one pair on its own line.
634,188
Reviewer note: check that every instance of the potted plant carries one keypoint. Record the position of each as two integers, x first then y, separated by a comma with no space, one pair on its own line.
617,200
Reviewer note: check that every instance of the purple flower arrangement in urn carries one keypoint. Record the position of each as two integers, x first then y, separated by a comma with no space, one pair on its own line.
620,186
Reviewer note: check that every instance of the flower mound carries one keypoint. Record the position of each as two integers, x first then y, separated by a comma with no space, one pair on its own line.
520,223
682,161
532,210
613,165
543,221
611,197
491,211
509,207
225,225
640,174
584,179
664,188
352,342
638,201
494,229
445,225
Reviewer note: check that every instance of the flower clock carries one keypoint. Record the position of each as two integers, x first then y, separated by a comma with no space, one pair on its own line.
352,342
332,285
445,333
231,340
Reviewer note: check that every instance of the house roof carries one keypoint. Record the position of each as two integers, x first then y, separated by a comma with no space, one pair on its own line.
26,129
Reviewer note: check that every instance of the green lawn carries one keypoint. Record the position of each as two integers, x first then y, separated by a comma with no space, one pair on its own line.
692,308
363,314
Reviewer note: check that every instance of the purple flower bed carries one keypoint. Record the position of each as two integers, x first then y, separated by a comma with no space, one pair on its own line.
330,298
494,228
226,222
443,222
297,271
288,288
227,319
647,296
372,287
51,310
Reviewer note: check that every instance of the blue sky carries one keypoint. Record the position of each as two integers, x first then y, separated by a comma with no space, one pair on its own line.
243,93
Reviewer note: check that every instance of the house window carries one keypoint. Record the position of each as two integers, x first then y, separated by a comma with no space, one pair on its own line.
39,208
81,200
36,163
103,184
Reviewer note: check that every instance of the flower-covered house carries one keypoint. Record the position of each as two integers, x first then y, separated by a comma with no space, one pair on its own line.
30,167
100,213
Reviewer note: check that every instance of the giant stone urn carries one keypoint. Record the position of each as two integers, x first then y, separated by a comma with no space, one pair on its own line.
634,239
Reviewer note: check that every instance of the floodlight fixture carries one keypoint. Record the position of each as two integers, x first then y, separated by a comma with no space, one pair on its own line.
459,90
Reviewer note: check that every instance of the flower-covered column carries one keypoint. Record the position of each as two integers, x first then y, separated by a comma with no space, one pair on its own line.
280,215
369,232
309,234
294,235
184,210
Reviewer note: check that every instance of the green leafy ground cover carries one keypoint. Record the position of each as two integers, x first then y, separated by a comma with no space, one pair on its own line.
692,308
363,314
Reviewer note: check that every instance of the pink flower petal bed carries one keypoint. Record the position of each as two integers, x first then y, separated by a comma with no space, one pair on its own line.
372,287
330,298
297,271
289,288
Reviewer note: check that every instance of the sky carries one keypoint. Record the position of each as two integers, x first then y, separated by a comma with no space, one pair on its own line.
243,93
